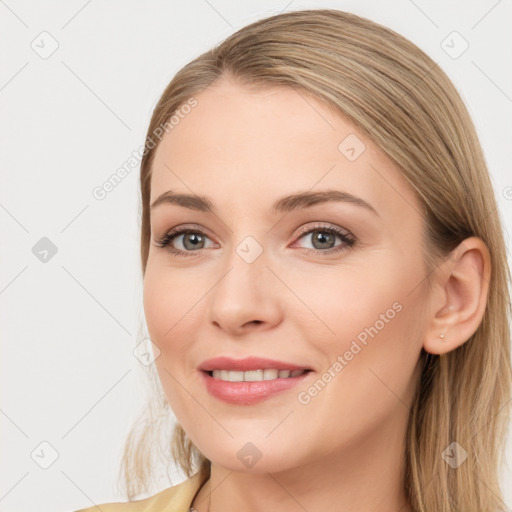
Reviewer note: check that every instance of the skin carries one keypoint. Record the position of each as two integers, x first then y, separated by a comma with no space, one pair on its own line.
244,148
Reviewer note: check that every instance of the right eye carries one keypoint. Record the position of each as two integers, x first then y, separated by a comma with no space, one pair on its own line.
192,240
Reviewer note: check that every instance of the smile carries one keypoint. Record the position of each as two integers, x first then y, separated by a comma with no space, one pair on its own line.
253,390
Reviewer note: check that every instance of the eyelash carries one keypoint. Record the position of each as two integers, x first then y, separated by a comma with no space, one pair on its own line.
347,239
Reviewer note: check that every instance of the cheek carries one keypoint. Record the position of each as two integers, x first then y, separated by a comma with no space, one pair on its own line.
339,303
171,304
373,326
172,311
369,298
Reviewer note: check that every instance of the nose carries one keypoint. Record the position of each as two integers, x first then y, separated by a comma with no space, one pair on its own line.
246,298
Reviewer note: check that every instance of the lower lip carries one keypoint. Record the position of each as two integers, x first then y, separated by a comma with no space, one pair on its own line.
247,393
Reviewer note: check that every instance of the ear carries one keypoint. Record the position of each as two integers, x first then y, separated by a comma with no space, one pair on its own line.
459,296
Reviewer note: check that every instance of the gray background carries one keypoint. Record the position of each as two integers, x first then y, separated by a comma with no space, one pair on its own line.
71,118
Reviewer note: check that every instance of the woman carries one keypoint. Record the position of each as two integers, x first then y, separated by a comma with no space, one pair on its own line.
325,279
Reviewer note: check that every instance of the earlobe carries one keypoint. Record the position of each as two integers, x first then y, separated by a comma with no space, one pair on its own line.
459,298
442,334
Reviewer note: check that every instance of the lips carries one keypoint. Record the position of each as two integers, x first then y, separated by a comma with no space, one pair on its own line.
249,393
247,364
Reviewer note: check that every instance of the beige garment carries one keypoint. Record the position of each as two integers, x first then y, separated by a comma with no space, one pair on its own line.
177,498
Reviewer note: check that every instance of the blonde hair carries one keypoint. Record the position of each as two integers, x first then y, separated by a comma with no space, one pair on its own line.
398,96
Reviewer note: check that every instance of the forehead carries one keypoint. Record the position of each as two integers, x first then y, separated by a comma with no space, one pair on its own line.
249,145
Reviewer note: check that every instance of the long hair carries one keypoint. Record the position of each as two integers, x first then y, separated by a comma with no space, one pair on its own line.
398,96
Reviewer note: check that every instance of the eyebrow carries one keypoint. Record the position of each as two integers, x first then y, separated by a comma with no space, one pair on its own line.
282,205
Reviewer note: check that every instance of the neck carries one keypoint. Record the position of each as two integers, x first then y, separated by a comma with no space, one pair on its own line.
365,476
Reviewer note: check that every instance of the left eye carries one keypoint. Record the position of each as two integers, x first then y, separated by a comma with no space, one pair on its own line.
323,238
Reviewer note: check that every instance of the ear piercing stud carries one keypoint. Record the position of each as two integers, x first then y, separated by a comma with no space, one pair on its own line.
450,308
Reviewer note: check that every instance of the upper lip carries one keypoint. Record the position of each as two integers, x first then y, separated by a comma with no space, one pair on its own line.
247,364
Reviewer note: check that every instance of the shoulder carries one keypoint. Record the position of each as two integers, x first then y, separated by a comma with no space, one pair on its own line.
177,498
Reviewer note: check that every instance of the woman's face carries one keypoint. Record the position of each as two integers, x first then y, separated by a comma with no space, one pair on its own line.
254,281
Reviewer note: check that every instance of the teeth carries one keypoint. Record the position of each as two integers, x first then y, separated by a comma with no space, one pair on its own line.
255,375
